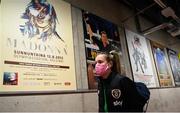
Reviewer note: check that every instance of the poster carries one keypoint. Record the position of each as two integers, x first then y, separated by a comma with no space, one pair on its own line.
37,46
100,35
161,62
141,62
175,65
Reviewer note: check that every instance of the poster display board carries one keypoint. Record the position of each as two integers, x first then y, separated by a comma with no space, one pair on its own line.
140,58
175,65
37,46
100,35
161,61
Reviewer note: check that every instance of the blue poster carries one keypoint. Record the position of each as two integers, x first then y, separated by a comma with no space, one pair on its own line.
160,58
162,65
175,66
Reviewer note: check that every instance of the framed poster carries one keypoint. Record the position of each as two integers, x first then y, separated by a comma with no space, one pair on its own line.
37,46
175,65
100,35
161,62
141,62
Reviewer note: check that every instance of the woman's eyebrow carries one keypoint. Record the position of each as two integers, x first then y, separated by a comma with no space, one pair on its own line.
100,61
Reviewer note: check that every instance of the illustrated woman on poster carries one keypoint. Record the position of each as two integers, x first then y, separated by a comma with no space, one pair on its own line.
138,55
41,20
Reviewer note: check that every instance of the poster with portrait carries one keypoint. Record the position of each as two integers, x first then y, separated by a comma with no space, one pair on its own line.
175,65
161,61
140,58
100,35
37,46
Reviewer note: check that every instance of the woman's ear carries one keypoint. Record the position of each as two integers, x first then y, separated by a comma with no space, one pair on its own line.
110,64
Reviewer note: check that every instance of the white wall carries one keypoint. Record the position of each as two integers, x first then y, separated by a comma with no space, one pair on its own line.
79,102
162,100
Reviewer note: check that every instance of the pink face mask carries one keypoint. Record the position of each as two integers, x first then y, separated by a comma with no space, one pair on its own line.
101,69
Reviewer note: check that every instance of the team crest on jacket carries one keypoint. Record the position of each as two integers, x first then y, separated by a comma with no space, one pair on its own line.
116,93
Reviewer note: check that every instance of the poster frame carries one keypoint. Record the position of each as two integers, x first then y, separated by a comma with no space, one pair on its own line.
169,77
46,90
172,56
94,26
147,44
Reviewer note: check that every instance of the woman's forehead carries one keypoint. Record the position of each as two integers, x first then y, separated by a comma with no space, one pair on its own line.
101,57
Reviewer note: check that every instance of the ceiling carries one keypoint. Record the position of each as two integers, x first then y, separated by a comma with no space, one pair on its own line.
163,13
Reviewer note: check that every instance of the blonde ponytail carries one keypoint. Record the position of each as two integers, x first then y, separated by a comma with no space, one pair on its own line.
116,61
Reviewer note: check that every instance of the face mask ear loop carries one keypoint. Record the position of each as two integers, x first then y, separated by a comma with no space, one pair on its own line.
107,67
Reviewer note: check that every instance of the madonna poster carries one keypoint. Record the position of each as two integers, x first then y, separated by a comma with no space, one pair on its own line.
140,59
37,45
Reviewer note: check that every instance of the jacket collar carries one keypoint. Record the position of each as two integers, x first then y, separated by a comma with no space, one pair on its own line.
109,78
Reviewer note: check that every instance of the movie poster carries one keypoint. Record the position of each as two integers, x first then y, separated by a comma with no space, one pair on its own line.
161,62
37,46
140,59
100,36
175,65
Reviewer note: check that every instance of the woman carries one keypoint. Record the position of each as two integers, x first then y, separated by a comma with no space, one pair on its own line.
116,93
